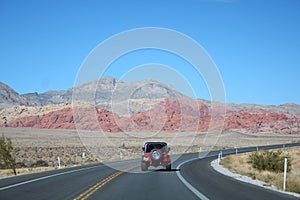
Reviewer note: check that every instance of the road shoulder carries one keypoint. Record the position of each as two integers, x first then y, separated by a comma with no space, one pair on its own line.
219,168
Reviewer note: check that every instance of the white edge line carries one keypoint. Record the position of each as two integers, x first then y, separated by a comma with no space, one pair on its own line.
243,178
45,177
187,184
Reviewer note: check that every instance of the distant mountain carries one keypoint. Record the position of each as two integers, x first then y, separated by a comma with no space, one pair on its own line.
101,92
288,108
113,95
145,105
50,97
9,97
168,115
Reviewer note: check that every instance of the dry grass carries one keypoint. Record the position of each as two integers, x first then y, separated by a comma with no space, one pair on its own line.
20,171
47,144
239,164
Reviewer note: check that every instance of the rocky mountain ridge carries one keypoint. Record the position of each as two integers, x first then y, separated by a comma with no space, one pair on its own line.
105,90
169,115
9,97
98,92
116,106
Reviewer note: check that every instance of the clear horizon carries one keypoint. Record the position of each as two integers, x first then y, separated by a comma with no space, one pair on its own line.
160,82
254,44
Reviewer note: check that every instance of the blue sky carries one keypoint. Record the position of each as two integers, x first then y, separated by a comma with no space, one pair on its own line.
255,44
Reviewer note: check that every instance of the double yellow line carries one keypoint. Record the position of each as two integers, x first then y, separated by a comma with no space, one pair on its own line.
86,194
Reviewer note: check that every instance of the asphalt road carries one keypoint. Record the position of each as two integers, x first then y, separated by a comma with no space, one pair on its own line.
190,178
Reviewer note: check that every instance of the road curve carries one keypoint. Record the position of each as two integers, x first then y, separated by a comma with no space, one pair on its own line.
213,185
102,182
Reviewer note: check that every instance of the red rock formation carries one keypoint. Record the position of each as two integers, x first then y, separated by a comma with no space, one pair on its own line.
170,115
263,122
57,119
64,119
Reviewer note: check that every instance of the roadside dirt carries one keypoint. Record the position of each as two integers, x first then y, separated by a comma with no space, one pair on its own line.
47,144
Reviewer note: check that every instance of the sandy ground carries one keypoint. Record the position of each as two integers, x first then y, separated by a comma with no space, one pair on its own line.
48,144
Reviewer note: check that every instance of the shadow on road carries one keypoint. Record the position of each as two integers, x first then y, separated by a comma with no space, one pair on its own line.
164,170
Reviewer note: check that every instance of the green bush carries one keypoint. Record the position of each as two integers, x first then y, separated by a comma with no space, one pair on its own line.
40,163
7,154
272,161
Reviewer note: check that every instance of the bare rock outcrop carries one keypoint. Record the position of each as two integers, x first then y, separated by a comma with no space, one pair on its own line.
263,122
169,115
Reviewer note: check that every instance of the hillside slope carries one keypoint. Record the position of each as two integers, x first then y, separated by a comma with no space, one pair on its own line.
113,105
168,115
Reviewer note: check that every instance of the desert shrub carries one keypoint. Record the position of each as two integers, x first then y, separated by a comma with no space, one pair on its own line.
7,154
2,166
40,163
17,165
272,161
20,165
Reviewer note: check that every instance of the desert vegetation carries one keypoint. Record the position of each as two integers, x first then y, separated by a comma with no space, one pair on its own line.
272,161
38,149
267,166
7,154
